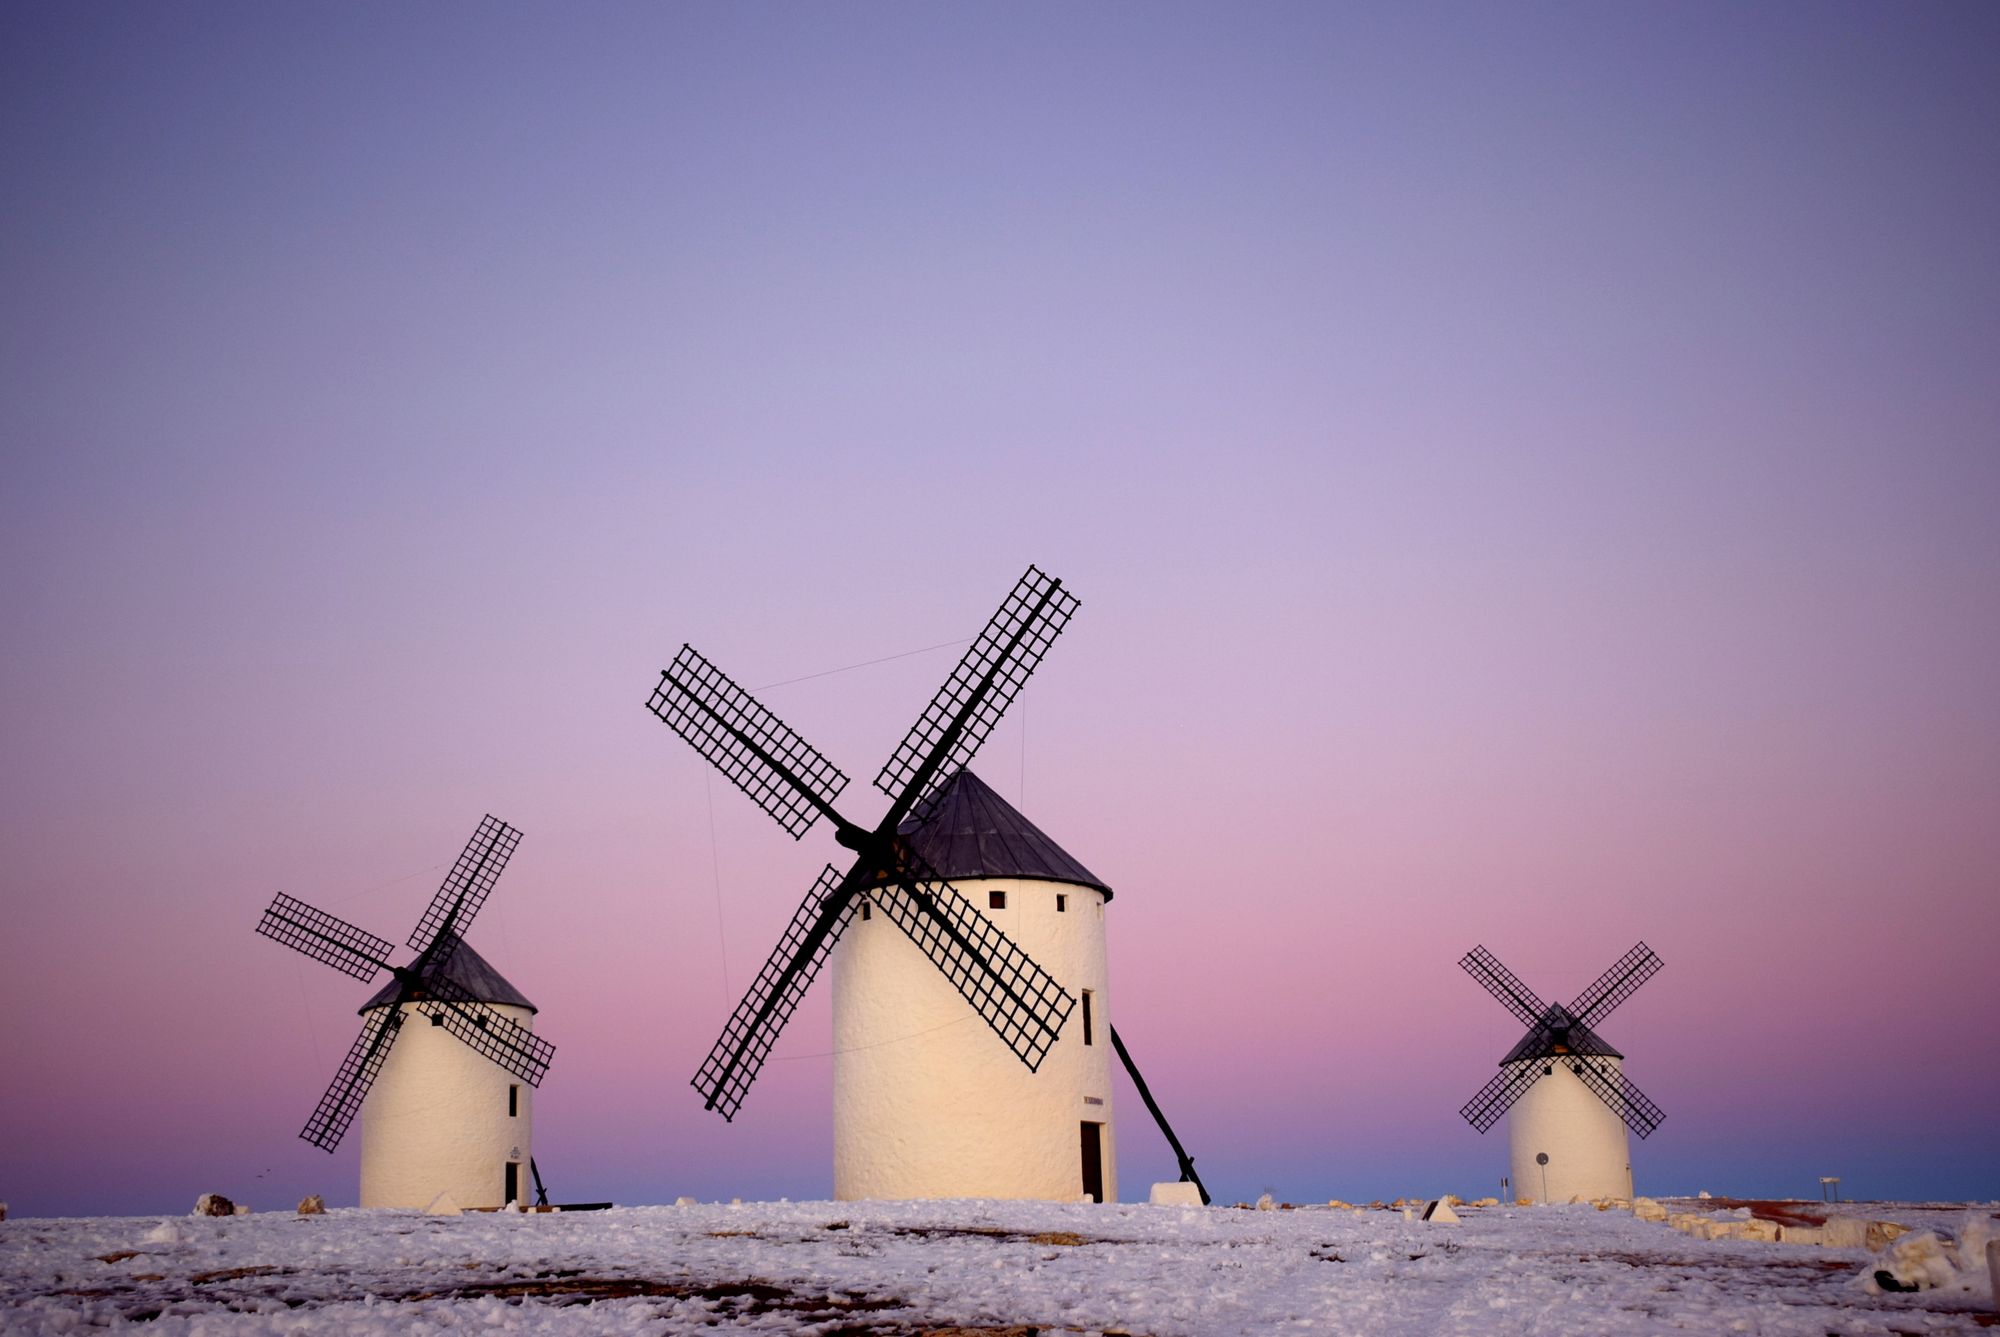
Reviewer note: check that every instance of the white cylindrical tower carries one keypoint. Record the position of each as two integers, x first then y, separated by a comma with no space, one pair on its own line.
927,1101
1589,1154
441,1118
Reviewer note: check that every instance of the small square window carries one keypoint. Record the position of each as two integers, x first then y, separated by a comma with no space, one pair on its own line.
1062,903
996,900
437,1018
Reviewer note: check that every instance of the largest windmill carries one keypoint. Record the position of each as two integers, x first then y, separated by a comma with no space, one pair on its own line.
926,1106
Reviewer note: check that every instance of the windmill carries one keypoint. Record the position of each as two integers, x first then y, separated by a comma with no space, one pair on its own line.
447,1114
1563,1088
955,942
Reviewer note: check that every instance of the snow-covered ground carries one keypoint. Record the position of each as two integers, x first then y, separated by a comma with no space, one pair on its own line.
973,1267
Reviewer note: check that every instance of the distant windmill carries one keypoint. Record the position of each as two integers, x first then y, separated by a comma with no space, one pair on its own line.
976,1131
442,1118
1569,1098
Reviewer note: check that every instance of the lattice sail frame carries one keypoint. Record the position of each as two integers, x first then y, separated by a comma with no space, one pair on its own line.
1021,1001
1586,1057
1004,655
755,750
468,883
738,1054
325,938
485,1032
1506,986
1615,985
350,1084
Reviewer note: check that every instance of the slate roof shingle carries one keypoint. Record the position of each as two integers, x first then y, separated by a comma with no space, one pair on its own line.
472,973
1535,1044
972,833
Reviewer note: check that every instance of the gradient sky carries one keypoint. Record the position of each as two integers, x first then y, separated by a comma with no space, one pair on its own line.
1530,472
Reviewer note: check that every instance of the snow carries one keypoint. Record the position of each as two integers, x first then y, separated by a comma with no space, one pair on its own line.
985,1267
1925,1261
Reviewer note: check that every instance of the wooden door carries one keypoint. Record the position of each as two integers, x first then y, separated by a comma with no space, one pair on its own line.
1093,1161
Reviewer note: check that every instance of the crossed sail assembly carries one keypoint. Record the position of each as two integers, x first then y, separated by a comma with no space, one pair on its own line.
1563,1089
474,1066
1046,1137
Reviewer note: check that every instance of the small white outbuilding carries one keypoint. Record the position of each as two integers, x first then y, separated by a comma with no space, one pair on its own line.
441,1118
1563,1140
927,1101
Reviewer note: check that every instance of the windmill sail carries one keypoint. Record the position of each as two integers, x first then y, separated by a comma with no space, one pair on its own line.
987,678
758,752
325,938
1615,985
468,883
1617,1090
738,1054
349,1087
485,1032
1501,1090
1017,998
1504,985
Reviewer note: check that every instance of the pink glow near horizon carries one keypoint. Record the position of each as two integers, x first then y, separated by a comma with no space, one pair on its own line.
1530,481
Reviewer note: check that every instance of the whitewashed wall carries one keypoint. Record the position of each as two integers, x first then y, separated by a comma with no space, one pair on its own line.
1589,1153
928,1102
436,1120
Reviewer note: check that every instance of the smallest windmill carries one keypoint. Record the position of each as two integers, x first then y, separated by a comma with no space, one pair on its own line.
445,1116
1563,1089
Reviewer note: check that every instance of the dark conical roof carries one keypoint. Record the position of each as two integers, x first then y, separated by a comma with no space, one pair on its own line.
1538,1043
972,833
470,972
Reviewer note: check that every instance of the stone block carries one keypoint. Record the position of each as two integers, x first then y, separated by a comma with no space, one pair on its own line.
1175,1194
213,1204
1844,1232
1648,1210
684,1202
313,1205
1881,1234
1754,1229
242,1209
1801,1235
1992,1261
1486,1202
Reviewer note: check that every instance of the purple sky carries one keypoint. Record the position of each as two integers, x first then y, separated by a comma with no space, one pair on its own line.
1530,472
